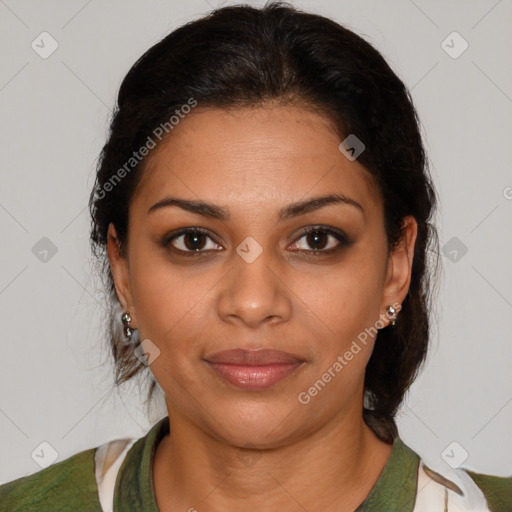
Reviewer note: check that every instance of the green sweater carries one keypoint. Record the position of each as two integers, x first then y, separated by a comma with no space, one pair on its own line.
70,485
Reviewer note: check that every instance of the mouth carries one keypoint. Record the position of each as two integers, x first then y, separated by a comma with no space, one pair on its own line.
253,369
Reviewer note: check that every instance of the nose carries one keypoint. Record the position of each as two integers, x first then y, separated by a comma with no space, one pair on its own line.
254,293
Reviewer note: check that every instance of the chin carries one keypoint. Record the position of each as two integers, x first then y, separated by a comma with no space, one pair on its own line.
255,424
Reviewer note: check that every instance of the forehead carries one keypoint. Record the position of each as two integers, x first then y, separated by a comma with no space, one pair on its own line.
259,155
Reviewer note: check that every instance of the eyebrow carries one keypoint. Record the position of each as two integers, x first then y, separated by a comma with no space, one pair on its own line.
289,211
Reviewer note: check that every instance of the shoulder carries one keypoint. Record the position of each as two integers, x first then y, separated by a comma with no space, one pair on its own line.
87,480
69,484
462,490
84,481
497,490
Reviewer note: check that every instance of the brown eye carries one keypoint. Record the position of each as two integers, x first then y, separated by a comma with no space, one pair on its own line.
194,242
320,240
191,240
317,239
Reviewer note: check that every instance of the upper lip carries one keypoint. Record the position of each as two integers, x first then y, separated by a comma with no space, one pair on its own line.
253,357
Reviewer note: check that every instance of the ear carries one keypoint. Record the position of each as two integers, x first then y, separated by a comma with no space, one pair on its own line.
399,268
120,272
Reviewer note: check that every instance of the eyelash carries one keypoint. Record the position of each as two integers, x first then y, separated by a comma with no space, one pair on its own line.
340,236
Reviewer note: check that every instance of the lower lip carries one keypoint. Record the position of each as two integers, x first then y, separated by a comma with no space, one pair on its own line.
254,378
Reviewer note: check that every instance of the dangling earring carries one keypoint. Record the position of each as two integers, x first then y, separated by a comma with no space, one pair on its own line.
392,314
128,330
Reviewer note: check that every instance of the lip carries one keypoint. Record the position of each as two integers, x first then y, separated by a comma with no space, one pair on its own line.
253,357
253,369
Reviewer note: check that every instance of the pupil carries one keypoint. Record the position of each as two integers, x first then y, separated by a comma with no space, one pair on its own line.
193,245
313,239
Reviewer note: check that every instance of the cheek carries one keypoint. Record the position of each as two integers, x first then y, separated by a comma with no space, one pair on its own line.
342,334
170,313
347,307
160,296
173,305
348,299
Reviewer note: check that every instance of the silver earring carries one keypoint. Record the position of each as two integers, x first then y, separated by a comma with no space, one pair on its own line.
392,314
128,330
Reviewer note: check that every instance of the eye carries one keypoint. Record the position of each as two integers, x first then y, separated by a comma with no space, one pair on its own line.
196,241
193,241
322,240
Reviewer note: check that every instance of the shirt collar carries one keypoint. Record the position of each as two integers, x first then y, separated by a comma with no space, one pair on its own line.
134,488
395,488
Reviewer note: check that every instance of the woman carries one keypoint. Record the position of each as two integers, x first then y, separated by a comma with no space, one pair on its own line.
263,207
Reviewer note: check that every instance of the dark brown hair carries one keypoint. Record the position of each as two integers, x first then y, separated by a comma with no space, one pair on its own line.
243,56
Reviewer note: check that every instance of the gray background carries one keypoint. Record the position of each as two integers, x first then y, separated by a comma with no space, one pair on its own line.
54,372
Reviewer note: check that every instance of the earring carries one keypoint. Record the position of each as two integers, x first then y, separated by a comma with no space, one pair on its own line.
128,330
392,314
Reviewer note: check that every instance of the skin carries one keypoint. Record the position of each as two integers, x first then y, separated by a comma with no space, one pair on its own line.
264,448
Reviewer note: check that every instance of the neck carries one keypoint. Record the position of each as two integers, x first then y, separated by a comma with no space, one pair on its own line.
331,469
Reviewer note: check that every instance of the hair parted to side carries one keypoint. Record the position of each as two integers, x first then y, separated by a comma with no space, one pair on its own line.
244,56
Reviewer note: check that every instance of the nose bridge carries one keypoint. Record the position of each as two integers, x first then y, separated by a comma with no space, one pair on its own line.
255,292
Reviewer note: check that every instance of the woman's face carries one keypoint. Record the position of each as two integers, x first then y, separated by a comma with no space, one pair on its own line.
248,180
